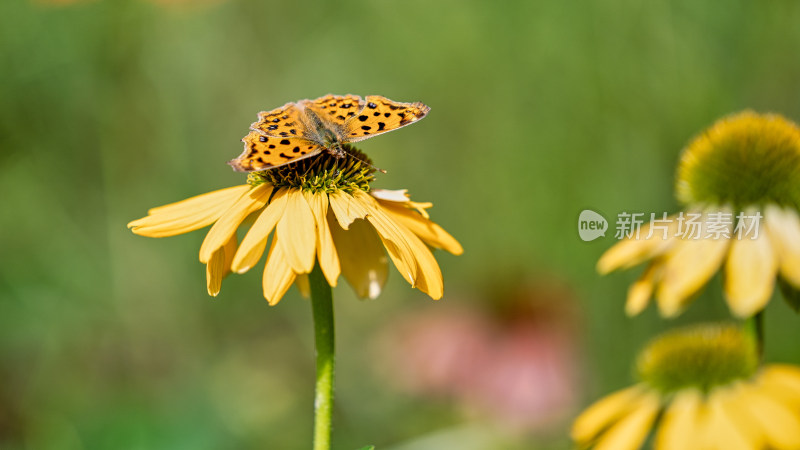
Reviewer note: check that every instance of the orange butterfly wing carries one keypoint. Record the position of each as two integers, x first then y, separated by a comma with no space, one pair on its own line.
267,152
289,133
381,115
284,122
336,109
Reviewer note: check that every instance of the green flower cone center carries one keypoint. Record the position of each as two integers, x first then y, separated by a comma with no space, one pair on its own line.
742,160
701,356
321,173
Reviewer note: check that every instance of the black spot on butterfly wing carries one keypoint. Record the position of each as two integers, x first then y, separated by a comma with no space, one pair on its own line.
280,121
261,155
381,115
335,109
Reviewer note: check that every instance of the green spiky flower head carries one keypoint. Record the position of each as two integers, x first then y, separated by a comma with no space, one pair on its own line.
700,356
746,159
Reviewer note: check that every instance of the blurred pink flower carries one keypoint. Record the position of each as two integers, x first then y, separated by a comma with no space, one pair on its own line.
515,362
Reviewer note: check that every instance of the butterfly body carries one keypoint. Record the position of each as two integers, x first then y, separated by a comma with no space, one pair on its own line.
326,134
306,128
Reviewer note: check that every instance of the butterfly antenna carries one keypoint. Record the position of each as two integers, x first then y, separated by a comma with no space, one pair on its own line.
369,164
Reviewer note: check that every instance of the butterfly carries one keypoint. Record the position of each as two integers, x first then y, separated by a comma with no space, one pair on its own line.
306,128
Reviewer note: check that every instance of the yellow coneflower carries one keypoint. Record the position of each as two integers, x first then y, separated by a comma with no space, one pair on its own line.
317,210
741,177
701,388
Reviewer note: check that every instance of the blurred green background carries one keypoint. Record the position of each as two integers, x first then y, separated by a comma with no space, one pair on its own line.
539,110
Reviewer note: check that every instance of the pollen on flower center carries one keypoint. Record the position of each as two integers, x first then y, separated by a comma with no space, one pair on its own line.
701,356
744,159
322,173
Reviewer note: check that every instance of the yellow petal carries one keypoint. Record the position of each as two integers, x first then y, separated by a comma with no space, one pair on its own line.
750,274
346,208
429,276
303,285
678,429
392,237
255,241
220,196
639,293
296,232
400,197
187,215
600,415
782,381
391,195
728,399
687,268
783,227
721,430
278,274
226,226
326,251
363,260
780,424
630,431
214,270
633,251
428,231
219,266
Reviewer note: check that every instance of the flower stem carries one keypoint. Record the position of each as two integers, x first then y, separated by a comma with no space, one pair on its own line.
755,328
322,308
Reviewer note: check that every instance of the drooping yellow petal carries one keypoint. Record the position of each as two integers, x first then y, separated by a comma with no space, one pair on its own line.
782,382
688,266
326,251
678,429
187,215
255,241
303,285
346,208
737,413
429,276
296,232
214,270
363,259
428,231
278,274
721,431
750,274
226,226
393,238
780,424
639,292
633,251
783,226
631,430
600,415
219,266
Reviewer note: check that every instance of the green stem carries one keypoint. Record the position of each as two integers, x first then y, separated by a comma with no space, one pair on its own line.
322,308
755,328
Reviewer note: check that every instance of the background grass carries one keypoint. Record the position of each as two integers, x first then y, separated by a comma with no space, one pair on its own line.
539,110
